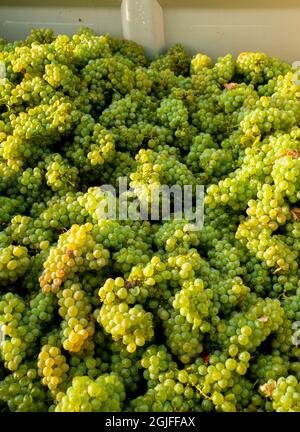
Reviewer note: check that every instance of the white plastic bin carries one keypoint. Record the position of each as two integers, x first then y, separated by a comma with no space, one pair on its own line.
213,26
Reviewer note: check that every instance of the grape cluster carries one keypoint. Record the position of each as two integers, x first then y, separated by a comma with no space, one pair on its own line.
248,329
14,262
22,391
133,325
182,338
52,366
75,309
106,393
271,366
60,176
284,394
76,251
21,326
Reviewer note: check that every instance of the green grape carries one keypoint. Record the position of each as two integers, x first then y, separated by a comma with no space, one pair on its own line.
258,67
193,302
60,176
21,326
284,394
132,325
76,251
14,262
106,393
22,391
75,308
126,365
128,49
176,60
270,367
174,392
52,366
9,207
247,330
199,62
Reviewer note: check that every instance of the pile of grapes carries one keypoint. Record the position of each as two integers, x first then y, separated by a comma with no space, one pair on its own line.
100,314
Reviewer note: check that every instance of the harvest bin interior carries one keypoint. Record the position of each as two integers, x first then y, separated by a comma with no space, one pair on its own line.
149,211
212,26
